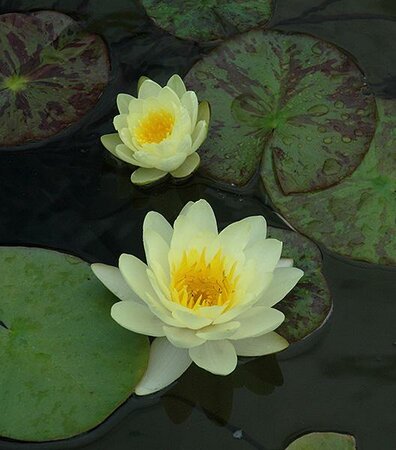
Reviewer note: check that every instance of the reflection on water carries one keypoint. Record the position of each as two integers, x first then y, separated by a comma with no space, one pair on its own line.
73,195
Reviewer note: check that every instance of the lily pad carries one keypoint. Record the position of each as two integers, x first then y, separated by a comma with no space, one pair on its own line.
324,441
51,74
356,218
65,364
309,304
301,99
208,20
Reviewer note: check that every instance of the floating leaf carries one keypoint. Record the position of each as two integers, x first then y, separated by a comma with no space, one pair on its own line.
208,20
65,364
297,97
356,218
324,441
51,74
308,305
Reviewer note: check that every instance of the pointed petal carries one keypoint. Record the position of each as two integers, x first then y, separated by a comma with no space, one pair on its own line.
177,85
266,254
149,88
157,251
124,153
123,101
204,112
134,273
141,80
166,364
137,318
262,345
257,320
218,332
182,337
239,234
282,283
199,135
120,122
285,262
110,142
190,319
157,222
189,166
143,176
111,277
190,102
218,357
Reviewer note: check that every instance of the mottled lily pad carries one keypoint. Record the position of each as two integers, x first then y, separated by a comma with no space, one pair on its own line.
51,74
309,304
65,364
208,20
356,218
324,441
297,97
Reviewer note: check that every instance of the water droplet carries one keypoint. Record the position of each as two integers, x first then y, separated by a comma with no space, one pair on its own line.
328,140
339,104
308,138
318,110
346,139
316,49
322,129
358,132
331,166
287,140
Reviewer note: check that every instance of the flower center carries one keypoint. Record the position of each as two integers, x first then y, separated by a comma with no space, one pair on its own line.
155,127
196,282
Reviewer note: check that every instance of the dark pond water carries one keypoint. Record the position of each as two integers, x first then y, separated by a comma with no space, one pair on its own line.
73,196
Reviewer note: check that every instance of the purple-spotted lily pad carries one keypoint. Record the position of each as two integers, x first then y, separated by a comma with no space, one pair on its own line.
208,20
51,74
323,441
299,98
309,304
65,364
356,218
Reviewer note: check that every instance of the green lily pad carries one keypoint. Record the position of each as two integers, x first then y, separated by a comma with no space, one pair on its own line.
308,305
356,218
299,98
324,441
51,74
208,20
65,364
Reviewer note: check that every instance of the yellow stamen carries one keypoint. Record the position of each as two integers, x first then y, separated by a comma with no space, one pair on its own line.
154,127
195,282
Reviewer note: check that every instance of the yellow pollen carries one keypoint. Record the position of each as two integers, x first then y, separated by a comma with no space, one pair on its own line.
154,127
196,282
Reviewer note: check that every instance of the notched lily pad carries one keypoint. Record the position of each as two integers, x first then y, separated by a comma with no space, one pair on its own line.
51,74
324,441
309,304
208,20
297,97
356,218
65,364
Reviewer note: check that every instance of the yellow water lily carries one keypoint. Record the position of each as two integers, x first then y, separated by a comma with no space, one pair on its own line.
205,296
160,131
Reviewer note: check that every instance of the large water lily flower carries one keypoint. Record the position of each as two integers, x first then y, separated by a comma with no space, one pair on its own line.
160,131
205,296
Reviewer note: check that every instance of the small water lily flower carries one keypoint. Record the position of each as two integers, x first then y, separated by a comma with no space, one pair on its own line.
205,296
160,131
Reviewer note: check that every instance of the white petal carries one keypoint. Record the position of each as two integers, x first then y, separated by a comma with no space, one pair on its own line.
257,320
218,332
239,234
126,154
182,337
166,364
190,319
190,102
123,101
204,112
199,135
143,176
263,345
168,95
177,85
110,142
282,283
141,80
120,122
137,318
157,251
188,167
218,357
157,222
211,312
285,262
111,277
134,273
149,88
266,254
